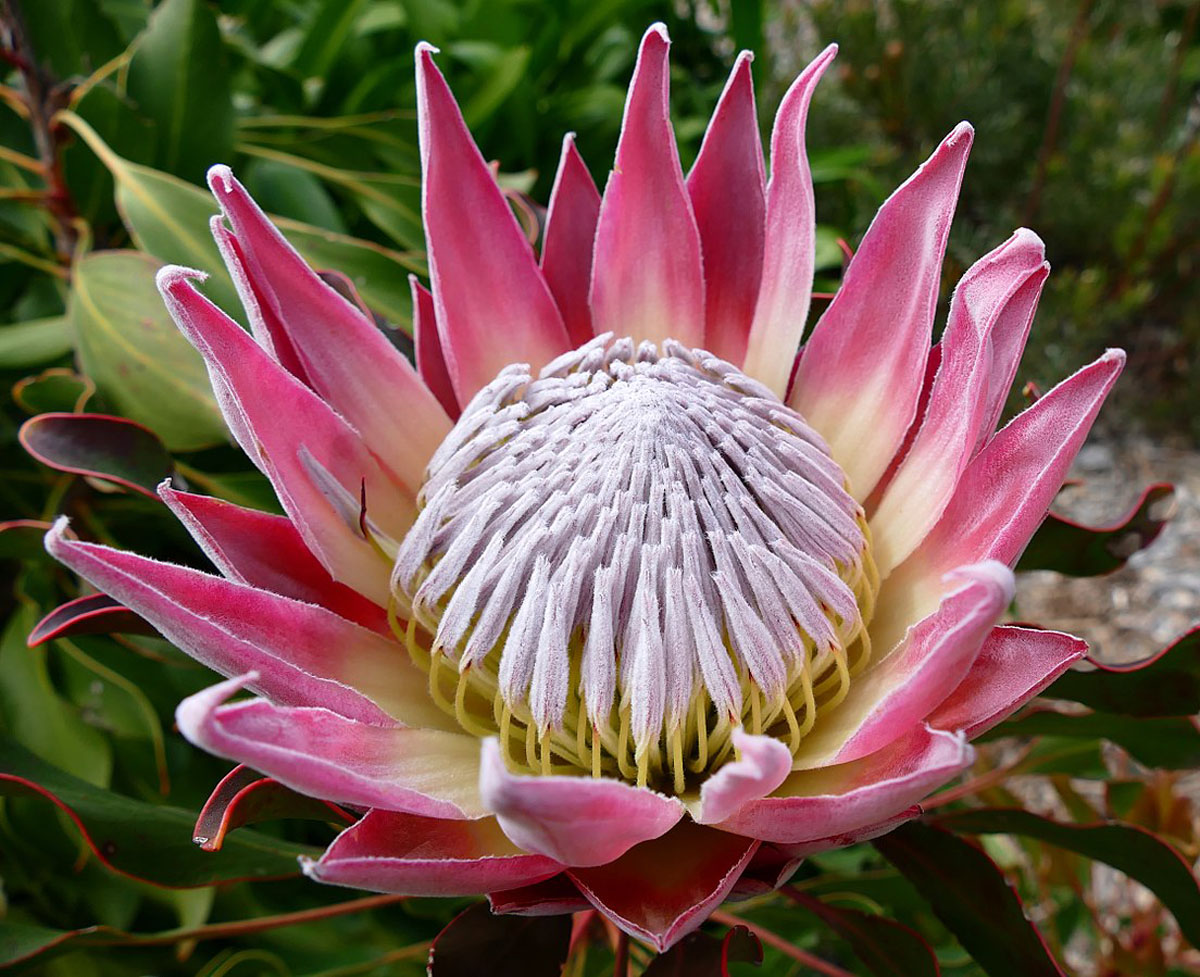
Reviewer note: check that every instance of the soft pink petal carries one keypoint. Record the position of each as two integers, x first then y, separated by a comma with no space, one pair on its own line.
431,364
418,856
554,897
727,193
647,279
265,324
266,551
896,693
305,655
575,820
430,772
790,244
493,306
998,295
1014,665
859,379
813,804
662,890
345,357
763,764
276,419
806,848
1002,497
569,239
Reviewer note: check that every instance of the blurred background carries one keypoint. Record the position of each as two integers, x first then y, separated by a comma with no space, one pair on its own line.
1087,117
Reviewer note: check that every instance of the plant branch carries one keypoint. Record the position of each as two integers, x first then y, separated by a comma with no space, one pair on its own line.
1057,102
784,946
41,97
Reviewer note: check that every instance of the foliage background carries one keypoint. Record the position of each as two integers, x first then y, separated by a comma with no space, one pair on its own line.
1087,123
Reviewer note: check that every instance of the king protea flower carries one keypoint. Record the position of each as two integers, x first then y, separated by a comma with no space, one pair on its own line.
609,601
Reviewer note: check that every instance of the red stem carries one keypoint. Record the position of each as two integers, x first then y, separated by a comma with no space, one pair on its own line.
621,964
772,938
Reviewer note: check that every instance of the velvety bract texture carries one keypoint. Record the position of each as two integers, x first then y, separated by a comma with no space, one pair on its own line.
606,601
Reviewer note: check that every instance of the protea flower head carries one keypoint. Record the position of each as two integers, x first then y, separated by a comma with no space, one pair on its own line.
610,601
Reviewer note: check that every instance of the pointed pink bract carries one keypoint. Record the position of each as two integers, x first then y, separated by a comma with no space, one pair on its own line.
647,279
860,376
726,187
789,248
569,240
493,306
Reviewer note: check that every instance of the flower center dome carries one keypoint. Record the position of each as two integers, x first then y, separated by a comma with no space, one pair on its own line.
626,557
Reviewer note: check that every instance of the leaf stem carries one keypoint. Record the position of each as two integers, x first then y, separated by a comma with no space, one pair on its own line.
784,946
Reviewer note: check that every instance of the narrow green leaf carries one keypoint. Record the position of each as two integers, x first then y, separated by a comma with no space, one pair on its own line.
179,79
1127,848
36,718
140,361
35,342
326,33
972,898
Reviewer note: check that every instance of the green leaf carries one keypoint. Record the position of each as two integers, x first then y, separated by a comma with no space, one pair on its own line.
1127,848
71,37
36,718
380,274
972,898
477,942
169,218
138,358
1165,684
149,842
179,79
326,33
1171,743
1090,551
35,342
292,192
885,947
110,448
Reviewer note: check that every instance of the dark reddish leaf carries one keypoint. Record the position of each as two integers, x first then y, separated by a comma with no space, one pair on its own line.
1166,742
476,942
972,898
701,955
93,614
1165,684
245,796
1089,551
101,446
1128,848
886,948
149,842
23,539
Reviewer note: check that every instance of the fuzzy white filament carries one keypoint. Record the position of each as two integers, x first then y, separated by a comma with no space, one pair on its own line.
629,530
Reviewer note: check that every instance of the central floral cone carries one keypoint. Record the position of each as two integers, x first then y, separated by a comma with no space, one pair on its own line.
608,602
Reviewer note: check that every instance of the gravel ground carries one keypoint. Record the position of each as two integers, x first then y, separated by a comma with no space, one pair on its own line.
1155,597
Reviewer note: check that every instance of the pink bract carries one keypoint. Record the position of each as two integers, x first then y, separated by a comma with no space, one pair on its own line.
636,731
